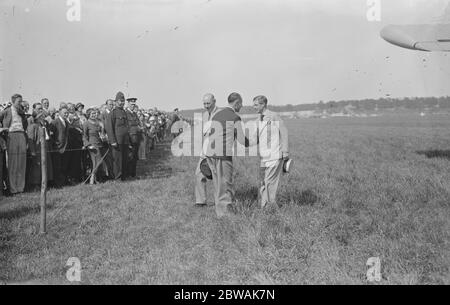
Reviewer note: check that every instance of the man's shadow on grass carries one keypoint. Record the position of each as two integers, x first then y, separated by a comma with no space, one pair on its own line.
249,197
435,153
19,213
22,211
298,197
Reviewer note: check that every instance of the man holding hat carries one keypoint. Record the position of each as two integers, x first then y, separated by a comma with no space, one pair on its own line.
135,135
117,130
273,146
209,103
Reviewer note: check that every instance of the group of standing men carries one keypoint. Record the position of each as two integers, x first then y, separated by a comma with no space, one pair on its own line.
77,142
124,136
271,136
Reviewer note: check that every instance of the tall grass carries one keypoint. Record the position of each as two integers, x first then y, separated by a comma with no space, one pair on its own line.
374,187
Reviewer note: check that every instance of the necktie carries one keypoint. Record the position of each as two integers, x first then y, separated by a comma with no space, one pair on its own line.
261,117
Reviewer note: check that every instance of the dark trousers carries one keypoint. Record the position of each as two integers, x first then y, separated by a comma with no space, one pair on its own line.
133,162
75,171
120,156
60,168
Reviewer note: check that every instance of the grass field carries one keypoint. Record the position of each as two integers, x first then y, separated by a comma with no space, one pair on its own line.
361,188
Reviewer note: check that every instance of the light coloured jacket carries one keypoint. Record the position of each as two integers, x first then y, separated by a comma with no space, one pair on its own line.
206,126
273,138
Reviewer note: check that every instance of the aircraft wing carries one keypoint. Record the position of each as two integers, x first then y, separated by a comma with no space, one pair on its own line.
423,37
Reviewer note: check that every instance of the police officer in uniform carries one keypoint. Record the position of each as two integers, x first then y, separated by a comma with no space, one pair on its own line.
135,136
117,129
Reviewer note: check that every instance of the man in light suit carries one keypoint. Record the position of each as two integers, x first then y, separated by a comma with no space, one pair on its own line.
273,145
13,121
209,103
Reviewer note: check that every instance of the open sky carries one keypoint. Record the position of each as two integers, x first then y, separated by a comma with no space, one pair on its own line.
168,53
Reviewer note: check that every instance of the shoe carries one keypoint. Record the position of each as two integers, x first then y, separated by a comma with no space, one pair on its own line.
200,205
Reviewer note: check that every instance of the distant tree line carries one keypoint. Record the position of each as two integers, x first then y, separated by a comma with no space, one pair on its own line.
419,103
366,105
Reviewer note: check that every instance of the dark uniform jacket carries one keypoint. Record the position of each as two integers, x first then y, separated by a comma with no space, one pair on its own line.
117,127
135,130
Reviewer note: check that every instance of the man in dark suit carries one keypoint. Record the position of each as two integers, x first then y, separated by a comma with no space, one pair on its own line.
109,107
226,129
60,127
135,136
117,129
104,117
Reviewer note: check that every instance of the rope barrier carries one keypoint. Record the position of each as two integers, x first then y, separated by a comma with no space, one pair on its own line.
49,151
95,169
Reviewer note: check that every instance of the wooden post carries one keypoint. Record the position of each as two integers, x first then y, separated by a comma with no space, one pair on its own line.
44,180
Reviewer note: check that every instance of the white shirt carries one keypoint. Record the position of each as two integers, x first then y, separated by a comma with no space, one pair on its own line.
206,121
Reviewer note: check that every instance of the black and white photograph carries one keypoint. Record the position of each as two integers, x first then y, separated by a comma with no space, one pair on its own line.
224,149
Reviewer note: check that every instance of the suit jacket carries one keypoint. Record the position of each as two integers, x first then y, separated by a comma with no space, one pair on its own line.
6,118
226,128
206,120
273,137
117,127
60,135
104,116
206,126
